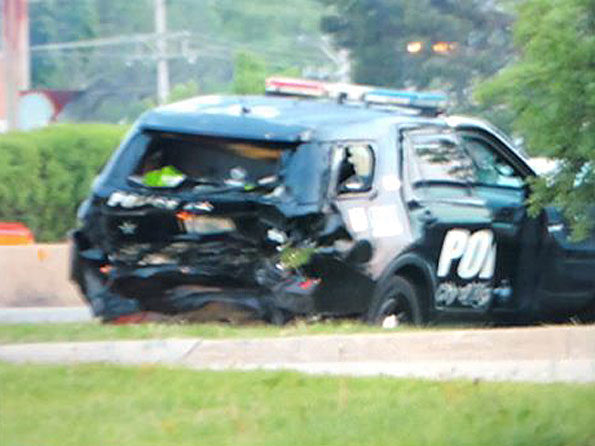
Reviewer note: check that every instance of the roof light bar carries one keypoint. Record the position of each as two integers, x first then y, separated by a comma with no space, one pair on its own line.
295,87
429,102
350,92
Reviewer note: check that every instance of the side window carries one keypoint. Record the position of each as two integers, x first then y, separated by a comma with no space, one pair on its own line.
490,168
355,168
434,156
435,166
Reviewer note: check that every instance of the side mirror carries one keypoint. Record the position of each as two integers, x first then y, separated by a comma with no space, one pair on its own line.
504,169
360,253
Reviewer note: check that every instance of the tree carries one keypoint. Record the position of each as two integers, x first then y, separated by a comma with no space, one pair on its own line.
551,90
377,32
60,21
118,81
183,91
249,74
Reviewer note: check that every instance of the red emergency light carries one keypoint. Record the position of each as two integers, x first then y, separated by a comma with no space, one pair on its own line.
287,86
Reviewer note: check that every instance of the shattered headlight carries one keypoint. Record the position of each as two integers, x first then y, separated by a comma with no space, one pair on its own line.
277,236
156,259
204,224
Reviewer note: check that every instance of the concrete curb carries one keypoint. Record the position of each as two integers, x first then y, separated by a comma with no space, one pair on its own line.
548,354
167,351
45,315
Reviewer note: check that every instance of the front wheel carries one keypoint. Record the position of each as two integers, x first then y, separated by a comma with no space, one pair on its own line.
397,300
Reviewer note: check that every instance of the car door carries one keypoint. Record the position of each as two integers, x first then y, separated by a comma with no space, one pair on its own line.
553,274
467,201
500,181
347,287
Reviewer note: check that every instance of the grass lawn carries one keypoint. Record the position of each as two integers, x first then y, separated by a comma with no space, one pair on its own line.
111,405
94,331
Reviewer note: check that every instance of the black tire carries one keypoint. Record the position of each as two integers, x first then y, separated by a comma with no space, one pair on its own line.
397,296
279,317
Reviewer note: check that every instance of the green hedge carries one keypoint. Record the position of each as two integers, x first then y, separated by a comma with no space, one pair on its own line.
45,174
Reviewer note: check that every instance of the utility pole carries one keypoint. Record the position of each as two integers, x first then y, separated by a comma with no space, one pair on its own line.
15,61
162,64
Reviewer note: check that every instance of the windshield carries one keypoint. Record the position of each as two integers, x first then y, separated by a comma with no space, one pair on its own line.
172,159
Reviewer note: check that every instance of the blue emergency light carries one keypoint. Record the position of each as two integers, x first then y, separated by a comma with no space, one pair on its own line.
426,101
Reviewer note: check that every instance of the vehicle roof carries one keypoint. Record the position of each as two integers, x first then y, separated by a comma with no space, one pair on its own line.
273,118
288,119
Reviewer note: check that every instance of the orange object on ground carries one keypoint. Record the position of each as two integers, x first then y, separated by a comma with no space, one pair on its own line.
15,234
141,317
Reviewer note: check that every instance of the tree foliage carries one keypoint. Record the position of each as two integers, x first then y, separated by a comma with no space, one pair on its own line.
117,80
551,89
45,174
377,32
61,21
249,74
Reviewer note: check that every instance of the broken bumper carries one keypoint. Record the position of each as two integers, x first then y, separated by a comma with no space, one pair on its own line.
116,291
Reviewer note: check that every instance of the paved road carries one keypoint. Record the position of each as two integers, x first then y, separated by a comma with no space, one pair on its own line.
538,354
44,314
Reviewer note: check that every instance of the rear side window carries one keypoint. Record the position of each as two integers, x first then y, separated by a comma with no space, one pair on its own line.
355,167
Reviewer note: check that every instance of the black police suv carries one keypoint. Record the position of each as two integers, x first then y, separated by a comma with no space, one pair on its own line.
360,202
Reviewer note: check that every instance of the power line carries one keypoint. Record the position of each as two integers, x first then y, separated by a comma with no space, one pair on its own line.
182,40
130,39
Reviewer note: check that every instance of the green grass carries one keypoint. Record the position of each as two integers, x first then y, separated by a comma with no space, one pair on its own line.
18,333
112,405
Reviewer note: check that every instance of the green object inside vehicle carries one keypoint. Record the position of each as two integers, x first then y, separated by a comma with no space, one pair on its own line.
292,257
167,176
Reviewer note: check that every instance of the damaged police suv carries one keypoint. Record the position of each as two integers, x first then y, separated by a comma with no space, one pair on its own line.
323,199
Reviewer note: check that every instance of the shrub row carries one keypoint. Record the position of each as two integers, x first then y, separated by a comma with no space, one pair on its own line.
46,173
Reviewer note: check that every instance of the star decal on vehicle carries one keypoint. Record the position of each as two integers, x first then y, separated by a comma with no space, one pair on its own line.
128,228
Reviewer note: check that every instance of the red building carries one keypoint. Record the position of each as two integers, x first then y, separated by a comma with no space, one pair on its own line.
14,60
